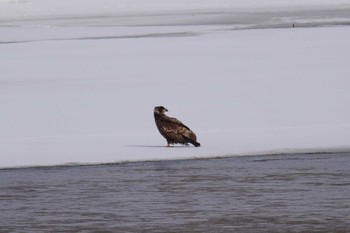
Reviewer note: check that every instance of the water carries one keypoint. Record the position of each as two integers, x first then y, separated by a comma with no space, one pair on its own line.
272,193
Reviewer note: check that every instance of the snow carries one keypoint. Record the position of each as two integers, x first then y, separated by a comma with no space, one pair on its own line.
80,93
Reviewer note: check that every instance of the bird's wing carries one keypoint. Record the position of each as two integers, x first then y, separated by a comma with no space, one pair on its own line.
174,129
176,122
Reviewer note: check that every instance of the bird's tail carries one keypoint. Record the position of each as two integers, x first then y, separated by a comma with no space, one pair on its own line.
196,144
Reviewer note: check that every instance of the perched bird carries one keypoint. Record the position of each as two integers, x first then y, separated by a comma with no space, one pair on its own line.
173,130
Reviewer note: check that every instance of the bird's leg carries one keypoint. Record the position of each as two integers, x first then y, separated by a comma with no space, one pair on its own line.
170,144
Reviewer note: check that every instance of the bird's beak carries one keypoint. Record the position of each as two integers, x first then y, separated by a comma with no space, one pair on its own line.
165,110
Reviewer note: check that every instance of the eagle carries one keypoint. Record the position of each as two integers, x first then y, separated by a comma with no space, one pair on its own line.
173,130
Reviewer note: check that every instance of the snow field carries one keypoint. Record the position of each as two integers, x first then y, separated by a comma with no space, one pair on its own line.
242,92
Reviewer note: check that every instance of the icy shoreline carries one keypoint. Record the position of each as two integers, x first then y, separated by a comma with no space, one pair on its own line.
91,101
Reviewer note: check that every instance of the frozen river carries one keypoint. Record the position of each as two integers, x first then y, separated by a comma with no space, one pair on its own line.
79,80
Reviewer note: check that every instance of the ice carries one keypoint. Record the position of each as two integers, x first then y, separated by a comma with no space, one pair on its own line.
84,93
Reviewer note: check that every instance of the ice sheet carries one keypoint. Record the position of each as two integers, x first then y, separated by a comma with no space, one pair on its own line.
86,94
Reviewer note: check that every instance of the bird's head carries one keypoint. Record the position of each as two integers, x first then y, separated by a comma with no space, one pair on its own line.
160,110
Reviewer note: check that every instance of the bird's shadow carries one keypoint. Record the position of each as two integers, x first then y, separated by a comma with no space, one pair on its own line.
156,146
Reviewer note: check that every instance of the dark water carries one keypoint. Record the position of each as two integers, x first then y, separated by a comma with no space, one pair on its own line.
272,193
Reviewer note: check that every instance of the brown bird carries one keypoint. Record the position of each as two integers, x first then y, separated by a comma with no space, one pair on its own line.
173,130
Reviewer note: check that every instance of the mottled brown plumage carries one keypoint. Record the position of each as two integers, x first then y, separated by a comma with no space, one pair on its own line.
173,130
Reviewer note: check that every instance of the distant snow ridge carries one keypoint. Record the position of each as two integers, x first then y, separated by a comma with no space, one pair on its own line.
126,12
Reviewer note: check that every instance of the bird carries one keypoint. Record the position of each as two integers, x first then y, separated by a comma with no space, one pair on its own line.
173,130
